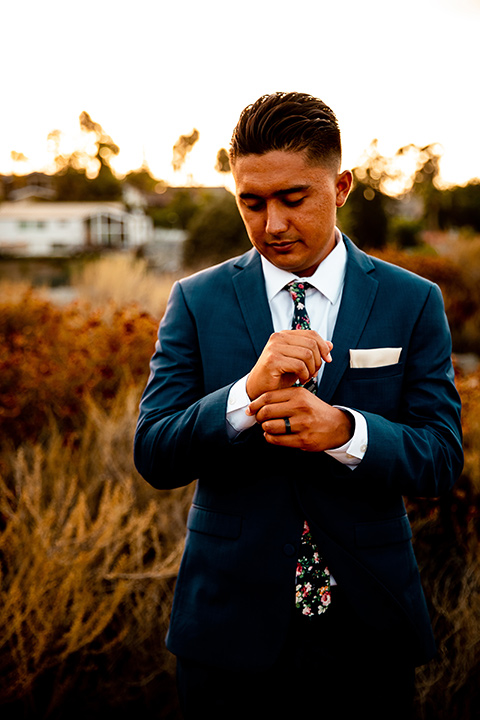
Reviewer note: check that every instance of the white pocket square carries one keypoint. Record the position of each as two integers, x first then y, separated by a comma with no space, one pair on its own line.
374,357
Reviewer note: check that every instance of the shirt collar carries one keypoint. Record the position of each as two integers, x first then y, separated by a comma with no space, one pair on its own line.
328,277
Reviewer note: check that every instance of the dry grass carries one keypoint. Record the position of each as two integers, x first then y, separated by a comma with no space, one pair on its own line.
465,252
449,560
89,553
88,560
124,280
447,545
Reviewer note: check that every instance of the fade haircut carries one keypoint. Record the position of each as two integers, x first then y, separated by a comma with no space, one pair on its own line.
294,122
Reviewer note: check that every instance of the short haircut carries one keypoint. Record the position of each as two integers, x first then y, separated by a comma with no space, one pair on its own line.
291,121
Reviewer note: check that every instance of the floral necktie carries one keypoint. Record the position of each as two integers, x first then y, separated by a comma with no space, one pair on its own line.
312,590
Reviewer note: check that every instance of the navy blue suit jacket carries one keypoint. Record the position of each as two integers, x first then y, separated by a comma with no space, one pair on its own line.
235,588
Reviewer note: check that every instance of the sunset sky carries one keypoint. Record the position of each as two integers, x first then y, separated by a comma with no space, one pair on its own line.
149,71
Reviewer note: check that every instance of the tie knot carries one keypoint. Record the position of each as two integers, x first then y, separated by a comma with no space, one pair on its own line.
297,290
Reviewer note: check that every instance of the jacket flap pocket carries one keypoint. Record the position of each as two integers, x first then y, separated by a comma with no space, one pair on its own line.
374,373
214,523
383,532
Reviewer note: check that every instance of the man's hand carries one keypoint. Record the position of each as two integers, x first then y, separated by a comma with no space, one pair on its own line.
315,425
288,356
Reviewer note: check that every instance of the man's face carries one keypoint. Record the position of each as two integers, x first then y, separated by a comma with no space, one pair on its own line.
289,207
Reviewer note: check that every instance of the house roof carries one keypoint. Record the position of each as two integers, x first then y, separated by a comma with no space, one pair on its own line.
25,210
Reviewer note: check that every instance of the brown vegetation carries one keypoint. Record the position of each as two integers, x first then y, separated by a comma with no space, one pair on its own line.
457,274
88,561
89,553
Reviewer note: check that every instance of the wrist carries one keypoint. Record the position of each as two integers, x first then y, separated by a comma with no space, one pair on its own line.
251,388
346,427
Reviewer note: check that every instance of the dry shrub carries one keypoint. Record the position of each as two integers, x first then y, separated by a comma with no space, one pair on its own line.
458,276
469,388
447,544
89,553
52,359
88,558
465,253
448,687
459,302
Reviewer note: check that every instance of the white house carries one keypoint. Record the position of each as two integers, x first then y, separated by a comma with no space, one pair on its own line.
165,251
61,228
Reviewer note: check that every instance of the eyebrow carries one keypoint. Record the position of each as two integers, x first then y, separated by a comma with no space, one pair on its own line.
278,193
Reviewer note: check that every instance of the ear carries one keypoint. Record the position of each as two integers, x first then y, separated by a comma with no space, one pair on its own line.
343,186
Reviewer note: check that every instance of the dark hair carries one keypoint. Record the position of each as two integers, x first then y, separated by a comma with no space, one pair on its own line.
287,121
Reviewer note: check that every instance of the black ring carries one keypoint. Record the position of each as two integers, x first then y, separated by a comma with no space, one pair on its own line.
288,427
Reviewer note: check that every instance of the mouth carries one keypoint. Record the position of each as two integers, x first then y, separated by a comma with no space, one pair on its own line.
282,245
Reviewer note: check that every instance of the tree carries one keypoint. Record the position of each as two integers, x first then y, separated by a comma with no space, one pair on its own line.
142,179
216,233
424,178
223,161
364,217
106,186
106,148
183,146
181,205
84,175
18,156
460,207
374,212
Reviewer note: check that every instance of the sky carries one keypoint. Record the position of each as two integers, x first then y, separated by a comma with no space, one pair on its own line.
149,71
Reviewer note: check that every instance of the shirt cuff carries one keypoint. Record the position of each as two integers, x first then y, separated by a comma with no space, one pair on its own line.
237,403
351,454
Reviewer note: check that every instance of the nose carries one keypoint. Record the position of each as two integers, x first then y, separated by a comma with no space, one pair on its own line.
277,221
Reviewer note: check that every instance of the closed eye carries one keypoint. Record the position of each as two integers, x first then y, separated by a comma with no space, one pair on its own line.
289,199
255,207
293,203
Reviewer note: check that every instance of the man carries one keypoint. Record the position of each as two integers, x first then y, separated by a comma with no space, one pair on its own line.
306,412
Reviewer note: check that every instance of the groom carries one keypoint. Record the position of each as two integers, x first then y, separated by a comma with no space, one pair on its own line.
307,387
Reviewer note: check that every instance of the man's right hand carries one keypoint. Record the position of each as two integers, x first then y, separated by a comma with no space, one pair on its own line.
288,356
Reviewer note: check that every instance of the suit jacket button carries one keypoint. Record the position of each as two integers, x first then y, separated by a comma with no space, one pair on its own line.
289,550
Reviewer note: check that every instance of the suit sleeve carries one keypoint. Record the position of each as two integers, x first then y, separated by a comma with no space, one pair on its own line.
176,419
421,454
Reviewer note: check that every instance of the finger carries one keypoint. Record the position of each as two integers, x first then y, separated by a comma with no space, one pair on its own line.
309,346
299,343
284,440
278,411
282,366
326,351
301,358
321,346
276,402
281,426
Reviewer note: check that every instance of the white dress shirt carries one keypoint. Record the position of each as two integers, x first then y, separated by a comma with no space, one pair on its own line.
322,302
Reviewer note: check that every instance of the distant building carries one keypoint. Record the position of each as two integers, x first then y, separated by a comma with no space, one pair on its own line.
35,185
61,228
165,251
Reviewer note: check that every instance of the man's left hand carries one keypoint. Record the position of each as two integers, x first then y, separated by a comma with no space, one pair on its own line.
314,425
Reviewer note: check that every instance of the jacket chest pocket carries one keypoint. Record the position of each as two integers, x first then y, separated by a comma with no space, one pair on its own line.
377,390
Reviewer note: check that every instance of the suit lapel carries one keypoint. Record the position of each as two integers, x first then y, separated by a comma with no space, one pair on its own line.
359,293
358,296
249,285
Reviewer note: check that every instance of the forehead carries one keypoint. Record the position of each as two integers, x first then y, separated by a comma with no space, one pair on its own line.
275,171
